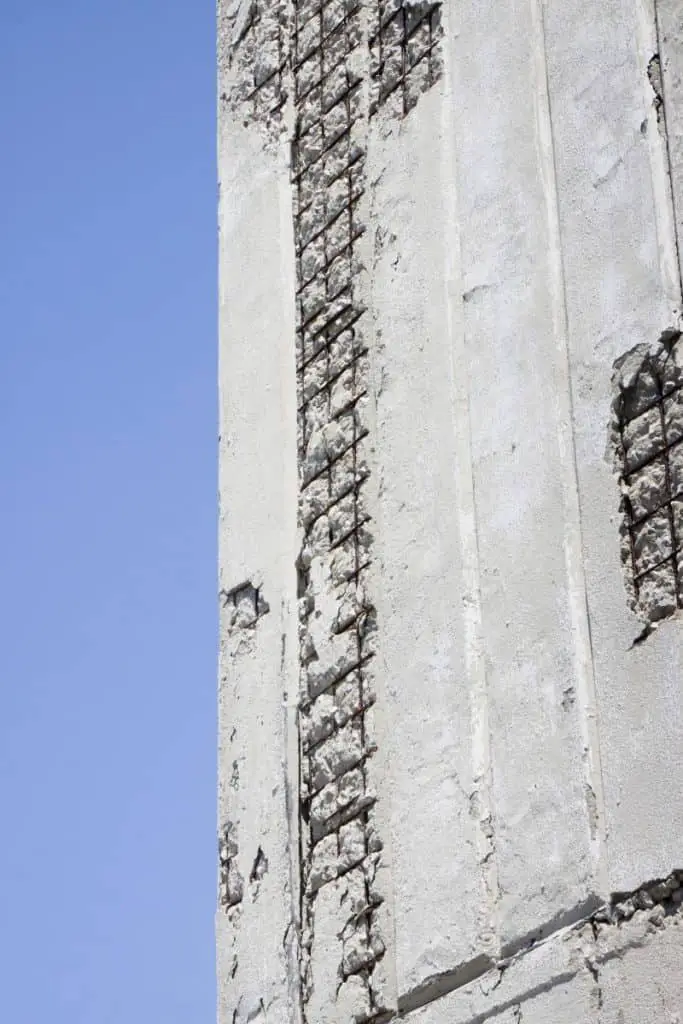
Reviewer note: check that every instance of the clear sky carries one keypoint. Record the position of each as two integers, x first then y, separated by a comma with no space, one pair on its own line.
108,580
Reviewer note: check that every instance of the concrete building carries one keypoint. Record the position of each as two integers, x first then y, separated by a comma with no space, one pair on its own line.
451,486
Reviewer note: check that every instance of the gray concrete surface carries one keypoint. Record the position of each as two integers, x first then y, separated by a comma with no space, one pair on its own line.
451,500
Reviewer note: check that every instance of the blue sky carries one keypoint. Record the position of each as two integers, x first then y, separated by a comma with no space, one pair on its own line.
108,426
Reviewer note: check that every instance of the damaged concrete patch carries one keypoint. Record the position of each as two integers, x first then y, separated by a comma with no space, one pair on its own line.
342,944
253,61
405,53
245,604
645,440
630,920
259,870
231,885
260,866
662,896
654,74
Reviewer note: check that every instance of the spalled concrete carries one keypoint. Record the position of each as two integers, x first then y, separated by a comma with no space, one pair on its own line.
451,716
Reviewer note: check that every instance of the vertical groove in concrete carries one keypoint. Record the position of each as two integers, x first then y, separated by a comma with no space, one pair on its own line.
651,57
573,544
475,661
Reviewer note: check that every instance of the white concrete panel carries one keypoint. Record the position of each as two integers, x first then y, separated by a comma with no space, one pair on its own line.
437,822
258,661
534,630
667,62
617,253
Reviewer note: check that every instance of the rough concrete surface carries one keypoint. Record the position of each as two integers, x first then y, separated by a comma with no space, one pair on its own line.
450,700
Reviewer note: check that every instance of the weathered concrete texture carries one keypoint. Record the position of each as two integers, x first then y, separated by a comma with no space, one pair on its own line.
451,713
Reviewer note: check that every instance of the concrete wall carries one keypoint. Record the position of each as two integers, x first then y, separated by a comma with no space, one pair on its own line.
451,487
